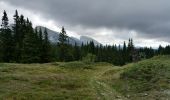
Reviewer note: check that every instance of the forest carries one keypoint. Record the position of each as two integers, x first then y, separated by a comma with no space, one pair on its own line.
21,43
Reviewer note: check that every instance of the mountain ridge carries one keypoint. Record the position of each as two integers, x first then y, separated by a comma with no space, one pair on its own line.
54,35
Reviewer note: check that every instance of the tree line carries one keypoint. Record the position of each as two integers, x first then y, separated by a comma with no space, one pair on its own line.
21,43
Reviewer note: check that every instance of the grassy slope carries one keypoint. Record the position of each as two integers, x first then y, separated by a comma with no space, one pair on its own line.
145,80
75,81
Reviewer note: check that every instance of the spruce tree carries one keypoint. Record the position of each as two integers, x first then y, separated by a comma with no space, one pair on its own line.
29,49
46,48
130,50
125,52
40,45
63,46
63,38
6,40
77,52
16,33
91,48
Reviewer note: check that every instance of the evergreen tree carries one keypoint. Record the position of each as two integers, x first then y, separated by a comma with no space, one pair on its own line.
63,38
30,50
5,20
40,46
124,46
17,38
130,50
125,52
63,46
6,40
76,52
91,47
45,48
160,50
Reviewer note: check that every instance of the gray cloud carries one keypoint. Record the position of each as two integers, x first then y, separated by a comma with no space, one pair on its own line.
150,18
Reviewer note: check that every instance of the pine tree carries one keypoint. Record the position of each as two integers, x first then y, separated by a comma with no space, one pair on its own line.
5,20
124,47
40,45
130,50
160,50
6,40
77,52
63,38
63,46
17,38
91,47
45,48
125,52
29,49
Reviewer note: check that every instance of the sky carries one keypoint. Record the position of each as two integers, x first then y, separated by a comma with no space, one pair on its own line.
107,21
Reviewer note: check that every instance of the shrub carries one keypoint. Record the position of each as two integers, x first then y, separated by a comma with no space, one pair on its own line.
89,58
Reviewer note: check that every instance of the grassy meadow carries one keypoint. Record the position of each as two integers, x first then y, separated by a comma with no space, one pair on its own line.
145,80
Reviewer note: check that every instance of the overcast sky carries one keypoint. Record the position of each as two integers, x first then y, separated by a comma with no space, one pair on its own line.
107,21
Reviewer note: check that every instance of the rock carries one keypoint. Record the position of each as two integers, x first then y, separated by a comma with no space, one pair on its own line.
128,96
145,94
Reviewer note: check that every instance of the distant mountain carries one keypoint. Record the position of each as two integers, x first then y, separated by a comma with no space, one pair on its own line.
53,37
86,39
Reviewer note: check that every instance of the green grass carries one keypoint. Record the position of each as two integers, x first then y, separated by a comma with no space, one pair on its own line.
145,80
54,81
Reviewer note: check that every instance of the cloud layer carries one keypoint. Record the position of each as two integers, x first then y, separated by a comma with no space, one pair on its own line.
148,19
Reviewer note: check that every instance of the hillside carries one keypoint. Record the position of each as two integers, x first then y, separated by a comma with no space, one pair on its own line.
145,80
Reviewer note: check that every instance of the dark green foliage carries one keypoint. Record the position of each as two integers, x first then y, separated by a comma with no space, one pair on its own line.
163,51
63,38
46,48
77,53
16,33
6,40
5,21
23,44
29,50
65,50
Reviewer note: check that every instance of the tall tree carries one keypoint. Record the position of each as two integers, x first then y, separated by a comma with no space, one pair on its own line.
46,48
40,45
77,52
63,46
29,49
125,52
130,50
63,38
91,48
16,32
6,39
